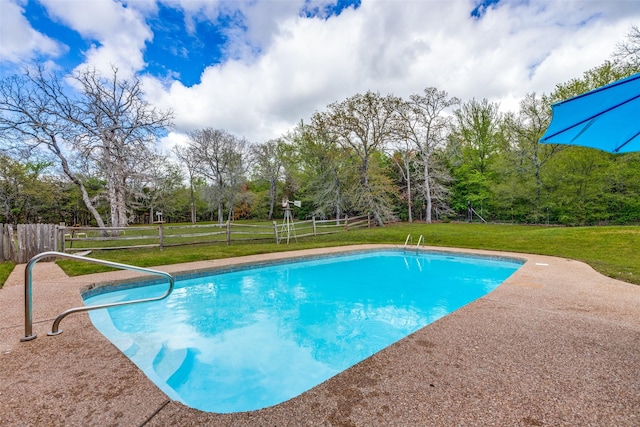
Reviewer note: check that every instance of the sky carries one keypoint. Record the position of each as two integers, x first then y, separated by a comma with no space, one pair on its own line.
256,68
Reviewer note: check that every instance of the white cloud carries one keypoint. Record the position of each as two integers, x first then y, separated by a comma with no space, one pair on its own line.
20,43
282,66
167,143
120,32
397,47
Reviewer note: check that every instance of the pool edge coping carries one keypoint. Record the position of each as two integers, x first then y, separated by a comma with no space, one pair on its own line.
98,288
555,292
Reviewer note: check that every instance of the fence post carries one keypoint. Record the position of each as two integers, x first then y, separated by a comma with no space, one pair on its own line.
56,238
315,231
275,230
2,258
346,223
13,249
161,234
22,250
63,241
369,220
228,233
5,246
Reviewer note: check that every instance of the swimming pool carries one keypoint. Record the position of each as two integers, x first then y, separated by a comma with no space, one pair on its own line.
251,338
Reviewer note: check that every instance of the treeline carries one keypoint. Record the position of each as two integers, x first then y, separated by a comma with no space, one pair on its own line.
86,156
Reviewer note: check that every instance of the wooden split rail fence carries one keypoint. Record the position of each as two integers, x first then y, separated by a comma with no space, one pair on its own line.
22,242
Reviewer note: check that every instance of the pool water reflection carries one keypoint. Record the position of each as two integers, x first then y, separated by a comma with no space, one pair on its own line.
252,338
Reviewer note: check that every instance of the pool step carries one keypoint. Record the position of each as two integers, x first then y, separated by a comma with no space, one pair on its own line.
181,374
168,361
109,329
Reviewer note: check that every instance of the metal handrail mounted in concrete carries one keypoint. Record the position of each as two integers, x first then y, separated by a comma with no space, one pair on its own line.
28,290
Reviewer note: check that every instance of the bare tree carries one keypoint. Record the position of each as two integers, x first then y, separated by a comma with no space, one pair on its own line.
422,122
188,158
221,158
238,164
403,156
628,51
120,129
105,122
153,188
267,158
32,108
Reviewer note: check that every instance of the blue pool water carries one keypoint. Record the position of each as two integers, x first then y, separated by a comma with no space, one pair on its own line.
252,338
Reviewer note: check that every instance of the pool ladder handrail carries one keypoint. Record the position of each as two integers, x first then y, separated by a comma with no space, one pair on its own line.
409,240
406,242
28,287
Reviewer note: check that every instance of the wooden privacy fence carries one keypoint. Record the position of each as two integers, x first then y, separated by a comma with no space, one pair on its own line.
19,243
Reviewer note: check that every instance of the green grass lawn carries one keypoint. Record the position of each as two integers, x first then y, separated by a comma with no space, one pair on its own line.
5,270
613,251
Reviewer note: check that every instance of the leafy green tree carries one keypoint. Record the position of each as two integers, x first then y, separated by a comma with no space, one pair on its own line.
12,178
576,178
526,156
476,138
327,170
27,192
623,183
589,186
602,75
362,125
477,128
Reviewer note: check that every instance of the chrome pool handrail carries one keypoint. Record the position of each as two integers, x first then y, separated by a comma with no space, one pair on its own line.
28,290
420,240
409,237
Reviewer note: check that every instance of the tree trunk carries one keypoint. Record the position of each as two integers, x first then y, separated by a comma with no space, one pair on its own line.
272,197
409,201
111,193
378,219
123,219
192,200
427,193
338,204
220,212
88,204
75,180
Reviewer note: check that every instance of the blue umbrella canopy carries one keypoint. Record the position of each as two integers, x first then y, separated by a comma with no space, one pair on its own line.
607,118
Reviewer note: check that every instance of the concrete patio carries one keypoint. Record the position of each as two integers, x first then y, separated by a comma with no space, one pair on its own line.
556,344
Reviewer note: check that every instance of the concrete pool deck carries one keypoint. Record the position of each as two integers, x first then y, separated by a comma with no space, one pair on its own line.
556,344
